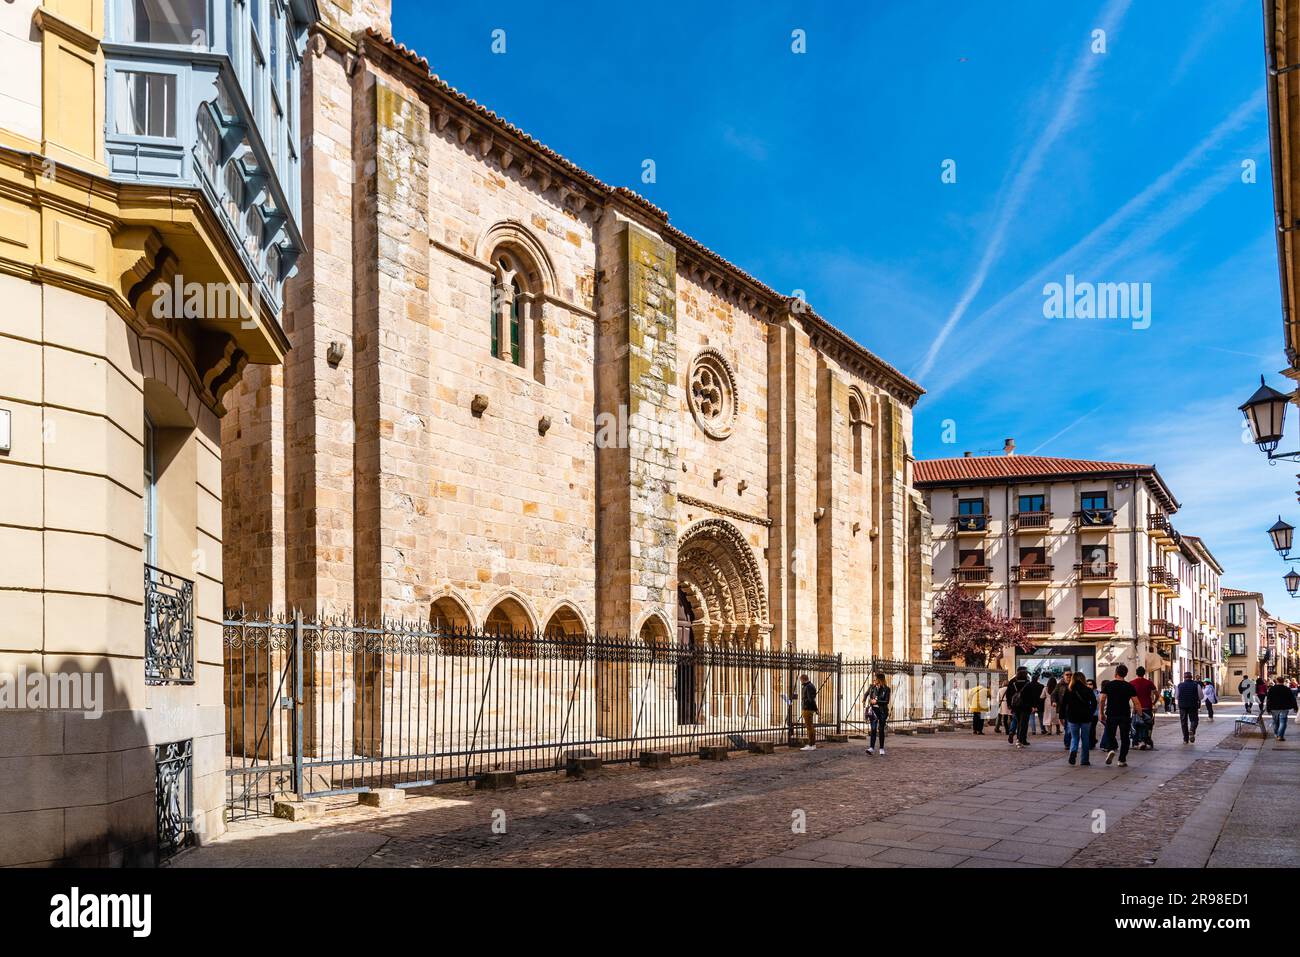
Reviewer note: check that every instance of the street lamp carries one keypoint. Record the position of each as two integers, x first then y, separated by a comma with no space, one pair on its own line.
1265,411
1292,581
1281,534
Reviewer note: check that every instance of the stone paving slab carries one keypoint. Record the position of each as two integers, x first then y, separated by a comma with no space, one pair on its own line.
1044,815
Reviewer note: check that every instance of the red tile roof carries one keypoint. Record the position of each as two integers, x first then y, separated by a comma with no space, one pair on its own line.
1238,593
983,469
801,308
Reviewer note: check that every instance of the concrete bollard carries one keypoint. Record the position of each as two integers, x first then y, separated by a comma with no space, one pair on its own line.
713,752
656,759
762,747
495,780
580,766
381,797
297,810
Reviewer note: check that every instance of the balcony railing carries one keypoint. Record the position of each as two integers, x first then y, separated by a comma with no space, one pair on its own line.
1028,572
1096,624
972,574
1162,577
1032,521
1166,630
1037,624
1095,517
1096,571
168,628
966,524
1158,522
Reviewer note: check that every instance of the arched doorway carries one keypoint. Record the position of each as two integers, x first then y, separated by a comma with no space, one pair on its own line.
721,605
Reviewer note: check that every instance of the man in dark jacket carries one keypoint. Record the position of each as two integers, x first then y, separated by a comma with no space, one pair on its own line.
1057,695
1279,702
1023,694
808,701
1189,706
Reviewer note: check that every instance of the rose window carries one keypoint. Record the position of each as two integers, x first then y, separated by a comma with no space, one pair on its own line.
712,393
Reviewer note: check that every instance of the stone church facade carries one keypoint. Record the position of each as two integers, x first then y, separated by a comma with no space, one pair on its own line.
518,398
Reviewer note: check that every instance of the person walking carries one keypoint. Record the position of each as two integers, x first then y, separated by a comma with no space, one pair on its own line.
1096,710
1246,689
808,700
1189,706
1211,697
877,711
1004,710
1280,701
1144,717
1167,696
1022,695
1051,717
1116,715
1042,703
1062,686
1079,709
1261,692
977,703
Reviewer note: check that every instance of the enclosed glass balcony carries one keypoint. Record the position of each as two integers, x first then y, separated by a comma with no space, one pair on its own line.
204,94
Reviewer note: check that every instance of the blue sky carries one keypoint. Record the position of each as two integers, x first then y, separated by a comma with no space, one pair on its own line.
821,171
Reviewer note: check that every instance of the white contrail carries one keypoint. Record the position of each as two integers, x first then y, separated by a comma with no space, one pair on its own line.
1064,116
1191,201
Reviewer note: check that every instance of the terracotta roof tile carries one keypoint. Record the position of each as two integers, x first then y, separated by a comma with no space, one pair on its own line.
984,467
980,469
1238,593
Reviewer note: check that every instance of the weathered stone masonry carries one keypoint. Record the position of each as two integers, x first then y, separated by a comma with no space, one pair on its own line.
757,489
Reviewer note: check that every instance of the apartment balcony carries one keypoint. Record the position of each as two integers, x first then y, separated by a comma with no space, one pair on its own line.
1031,523
973,576
1095,518
970,524
1158,527
1164,581
1031,573
1036,625
1096,571
1096,626
184,109
1164,631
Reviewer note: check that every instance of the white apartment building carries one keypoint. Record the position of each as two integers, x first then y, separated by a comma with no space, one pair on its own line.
1081,551
1197,613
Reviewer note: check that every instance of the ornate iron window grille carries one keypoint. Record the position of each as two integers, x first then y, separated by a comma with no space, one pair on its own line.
168,628
174,795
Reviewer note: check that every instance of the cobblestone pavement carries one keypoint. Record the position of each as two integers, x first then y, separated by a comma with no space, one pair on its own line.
947,800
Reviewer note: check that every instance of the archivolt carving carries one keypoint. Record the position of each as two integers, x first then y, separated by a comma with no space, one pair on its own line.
717,569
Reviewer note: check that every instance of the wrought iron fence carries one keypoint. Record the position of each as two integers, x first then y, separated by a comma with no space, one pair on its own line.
926,692
168,628
332,707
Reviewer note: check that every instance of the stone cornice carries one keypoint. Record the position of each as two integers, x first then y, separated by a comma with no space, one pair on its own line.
723,510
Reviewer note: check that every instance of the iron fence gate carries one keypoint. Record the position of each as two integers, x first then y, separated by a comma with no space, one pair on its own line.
336,706
330,707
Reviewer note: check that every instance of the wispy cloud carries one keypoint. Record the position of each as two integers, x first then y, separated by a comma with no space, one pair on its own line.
746,143
1066,113
1190,200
